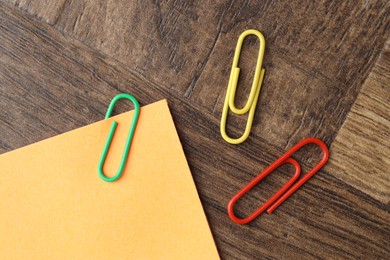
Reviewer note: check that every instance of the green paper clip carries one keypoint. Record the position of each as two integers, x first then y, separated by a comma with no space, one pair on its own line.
111,134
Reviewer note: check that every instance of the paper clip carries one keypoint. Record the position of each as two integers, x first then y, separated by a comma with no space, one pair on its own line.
280,196
232,87
111,134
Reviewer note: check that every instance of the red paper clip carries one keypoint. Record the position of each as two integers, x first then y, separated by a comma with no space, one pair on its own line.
281,195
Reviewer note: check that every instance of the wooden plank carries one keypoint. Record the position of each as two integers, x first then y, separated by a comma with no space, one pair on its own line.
50,83
317,56
360,152
48,11
173,38
324,38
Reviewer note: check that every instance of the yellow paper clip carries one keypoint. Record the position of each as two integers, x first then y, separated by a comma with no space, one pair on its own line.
232,87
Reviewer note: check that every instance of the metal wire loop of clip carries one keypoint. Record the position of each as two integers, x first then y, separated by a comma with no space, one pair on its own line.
288,189
232,87
111,134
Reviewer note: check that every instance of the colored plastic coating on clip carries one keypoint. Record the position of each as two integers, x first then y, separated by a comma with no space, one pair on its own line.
111,134
280,196
232,87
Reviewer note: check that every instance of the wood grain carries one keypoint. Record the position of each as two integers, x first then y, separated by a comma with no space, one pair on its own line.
51,82
360,152
171,37
47,10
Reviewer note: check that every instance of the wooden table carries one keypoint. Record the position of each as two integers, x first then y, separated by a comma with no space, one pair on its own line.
327,76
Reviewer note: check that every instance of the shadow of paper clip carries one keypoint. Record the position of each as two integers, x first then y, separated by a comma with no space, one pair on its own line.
111,134
232,87
281,195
